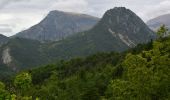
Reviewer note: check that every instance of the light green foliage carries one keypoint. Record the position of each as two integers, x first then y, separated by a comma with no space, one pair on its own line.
139,76
13,97
146,75
2,85
4,95
119,90
26,98
137,83
37,98
23,81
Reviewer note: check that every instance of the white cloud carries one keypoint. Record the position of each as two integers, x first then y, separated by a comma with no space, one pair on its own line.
21,14
151,11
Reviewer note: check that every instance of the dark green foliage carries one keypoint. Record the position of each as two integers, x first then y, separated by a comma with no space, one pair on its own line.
40,74
141,47
26,53
5,73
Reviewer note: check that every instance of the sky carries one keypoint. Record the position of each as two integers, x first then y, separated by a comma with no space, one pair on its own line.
18,15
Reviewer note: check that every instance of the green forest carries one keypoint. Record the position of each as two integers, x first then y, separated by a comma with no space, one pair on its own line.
141,73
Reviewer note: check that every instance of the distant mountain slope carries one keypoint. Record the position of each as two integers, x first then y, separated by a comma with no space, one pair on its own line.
155,23
58,25
118,30
3,39
21,53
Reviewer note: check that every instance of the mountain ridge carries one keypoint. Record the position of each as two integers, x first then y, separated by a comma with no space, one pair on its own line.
57,25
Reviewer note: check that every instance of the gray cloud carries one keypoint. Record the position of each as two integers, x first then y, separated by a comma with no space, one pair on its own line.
5,29
4,3
4,25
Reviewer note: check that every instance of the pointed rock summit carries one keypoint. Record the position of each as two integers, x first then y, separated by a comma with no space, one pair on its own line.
126,26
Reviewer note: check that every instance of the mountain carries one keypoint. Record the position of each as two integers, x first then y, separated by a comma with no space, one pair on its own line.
58,25
119,29
3,39
155,23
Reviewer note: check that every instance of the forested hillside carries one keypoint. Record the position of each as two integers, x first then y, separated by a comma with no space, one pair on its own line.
141,73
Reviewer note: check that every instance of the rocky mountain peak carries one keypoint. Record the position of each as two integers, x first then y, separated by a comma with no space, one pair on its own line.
116,9
57,25
125,25
120,16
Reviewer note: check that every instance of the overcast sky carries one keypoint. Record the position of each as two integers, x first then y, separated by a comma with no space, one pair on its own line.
17,15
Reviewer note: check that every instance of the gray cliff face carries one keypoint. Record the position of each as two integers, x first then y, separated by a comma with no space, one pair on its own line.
6,58
155,23
58,25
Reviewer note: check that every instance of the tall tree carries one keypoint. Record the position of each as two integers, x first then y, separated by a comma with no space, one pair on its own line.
162,31
23,82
